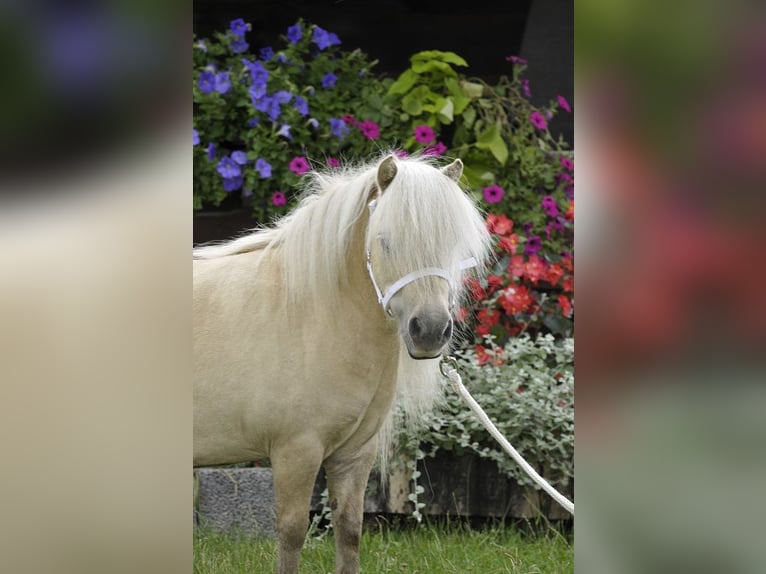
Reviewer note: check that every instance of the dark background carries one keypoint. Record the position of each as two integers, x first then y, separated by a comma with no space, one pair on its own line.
390,31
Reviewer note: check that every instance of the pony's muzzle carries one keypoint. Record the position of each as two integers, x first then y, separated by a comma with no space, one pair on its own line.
429,332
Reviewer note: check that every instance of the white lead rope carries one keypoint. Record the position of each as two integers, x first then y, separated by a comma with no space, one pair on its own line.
448,367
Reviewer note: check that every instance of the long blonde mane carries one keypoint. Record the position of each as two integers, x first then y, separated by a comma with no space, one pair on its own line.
430,222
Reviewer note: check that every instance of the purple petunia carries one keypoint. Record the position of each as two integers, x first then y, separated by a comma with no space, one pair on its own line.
299,165
228,168
211,151
222,82
516,60
238,27
494,193
424,134
263,168
549,206
266,53
239,157
278,198
238,45
369,129
258,74
206,82
338,128
525,87
437,149
256,91
294,33
232,184
333,162
283,97
195,137
301,105
567,163
324,39
329,80
537,120
533,245
564,104
284,131
253,122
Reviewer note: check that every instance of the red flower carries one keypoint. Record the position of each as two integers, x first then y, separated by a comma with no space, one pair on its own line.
534,269
509,243
494,282
568,284
554,273
477,291
482,355
499,224
566,305
570,211
461,314
516,266
349,119
515,299
488,317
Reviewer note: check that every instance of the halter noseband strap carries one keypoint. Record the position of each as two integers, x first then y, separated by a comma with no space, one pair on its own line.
385,298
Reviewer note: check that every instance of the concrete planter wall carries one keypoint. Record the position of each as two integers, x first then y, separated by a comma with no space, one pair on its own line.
243,498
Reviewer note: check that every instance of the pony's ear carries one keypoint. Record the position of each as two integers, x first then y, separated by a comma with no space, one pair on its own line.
453,170
386,173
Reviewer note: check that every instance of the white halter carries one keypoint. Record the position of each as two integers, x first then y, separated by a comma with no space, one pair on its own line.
385,298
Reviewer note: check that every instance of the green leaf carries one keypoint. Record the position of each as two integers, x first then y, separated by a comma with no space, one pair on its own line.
432,66
446,113
491,140
472,89
449,57
403,83
412,104
469,116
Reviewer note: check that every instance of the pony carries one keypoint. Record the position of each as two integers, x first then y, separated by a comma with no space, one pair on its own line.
307,331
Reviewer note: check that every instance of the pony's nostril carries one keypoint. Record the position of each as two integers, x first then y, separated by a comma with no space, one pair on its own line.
447,332
415,327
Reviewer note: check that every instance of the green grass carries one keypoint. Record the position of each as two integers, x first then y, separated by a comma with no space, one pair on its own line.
430,549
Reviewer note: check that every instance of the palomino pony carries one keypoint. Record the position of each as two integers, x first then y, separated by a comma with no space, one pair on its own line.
295,359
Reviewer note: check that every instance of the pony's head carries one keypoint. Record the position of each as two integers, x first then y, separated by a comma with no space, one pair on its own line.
423,234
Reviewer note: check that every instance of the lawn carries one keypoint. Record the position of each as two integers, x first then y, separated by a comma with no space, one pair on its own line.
431,549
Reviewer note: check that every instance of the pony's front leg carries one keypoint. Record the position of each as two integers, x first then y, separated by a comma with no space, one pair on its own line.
294,467
347,476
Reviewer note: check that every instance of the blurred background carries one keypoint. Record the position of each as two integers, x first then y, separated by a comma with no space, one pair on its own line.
671,145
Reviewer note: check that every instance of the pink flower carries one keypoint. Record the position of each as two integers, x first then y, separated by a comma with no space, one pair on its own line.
401,153
437,149
369,129
549,206
538,120
332,162
278,198
516,60
566,163
564,103
525,87
299,165
494,193
424,134
349,119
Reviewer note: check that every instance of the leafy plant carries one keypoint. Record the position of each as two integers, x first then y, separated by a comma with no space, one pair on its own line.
261,120
527,389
